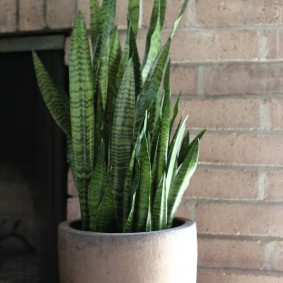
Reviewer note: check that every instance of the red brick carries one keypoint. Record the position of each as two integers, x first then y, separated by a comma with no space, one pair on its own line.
210,183
273,41
243,149
60,13
229,276
172,10
274,185
8,16
73,208
184,79
239,219
208,45
224,253
276,108
253,78
218,13
31,15
222,113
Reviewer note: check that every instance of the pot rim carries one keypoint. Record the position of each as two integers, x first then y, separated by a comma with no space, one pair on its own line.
186,223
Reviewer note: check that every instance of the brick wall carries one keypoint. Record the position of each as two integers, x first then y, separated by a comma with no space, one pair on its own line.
227,60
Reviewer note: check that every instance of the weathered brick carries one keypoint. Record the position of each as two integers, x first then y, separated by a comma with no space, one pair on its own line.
83,5
61,13
172,10
31,15
229,276
273,44
252,78
242,149
276,108
274,185
275,255
8,16
185,79
210,183
239,219
218,13
222,113
73,208
121,14
208,45
224,253
72,190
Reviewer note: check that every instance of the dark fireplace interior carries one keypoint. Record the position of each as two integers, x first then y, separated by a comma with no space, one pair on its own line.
32,171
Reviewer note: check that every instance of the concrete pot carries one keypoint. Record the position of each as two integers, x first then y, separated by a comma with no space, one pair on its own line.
167,256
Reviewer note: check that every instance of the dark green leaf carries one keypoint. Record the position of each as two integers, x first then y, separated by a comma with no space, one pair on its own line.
82,110
122,138
181,180
54,97
133,12
143,197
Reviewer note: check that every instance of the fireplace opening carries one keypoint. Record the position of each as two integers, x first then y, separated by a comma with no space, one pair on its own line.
32,164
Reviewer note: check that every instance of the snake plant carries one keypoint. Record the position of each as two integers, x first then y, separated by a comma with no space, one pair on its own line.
130,163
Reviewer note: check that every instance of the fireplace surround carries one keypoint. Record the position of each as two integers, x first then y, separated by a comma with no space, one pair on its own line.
32,162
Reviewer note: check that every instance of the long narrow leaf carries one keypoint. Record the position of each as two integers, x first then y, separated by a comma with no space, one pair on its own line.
159,212
133,12
82,111
94,21
141,220
181,181
154,46
157,18
151,86
54,97
186,145
122,136
164,131
100,198
174,154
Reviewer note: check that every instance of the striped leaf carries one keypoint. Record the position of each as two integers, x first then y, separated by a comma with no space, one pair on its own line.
129,187
136,60
129,205
181,180
103,74
133,13
172,162
94,21
179,18
157,19
159,211
97,186
122,137
164,129
151,86
124,58
82,111
107,16
186,145
175,112
154,47
54,97
113,63
143,197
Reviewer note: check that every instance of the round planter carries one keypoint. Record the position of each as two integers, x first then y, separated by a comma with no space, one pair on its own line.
166,256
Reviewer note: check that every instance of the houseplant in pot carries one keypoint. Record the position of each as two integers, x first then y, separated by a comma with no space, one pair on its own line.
130,165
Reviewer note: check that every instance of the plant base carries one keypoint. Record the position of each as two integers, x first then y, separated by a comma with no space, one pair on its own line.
167,256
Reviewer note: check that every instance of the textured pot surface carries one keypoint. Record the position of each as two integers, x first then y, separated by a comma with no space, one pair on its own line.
167,256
